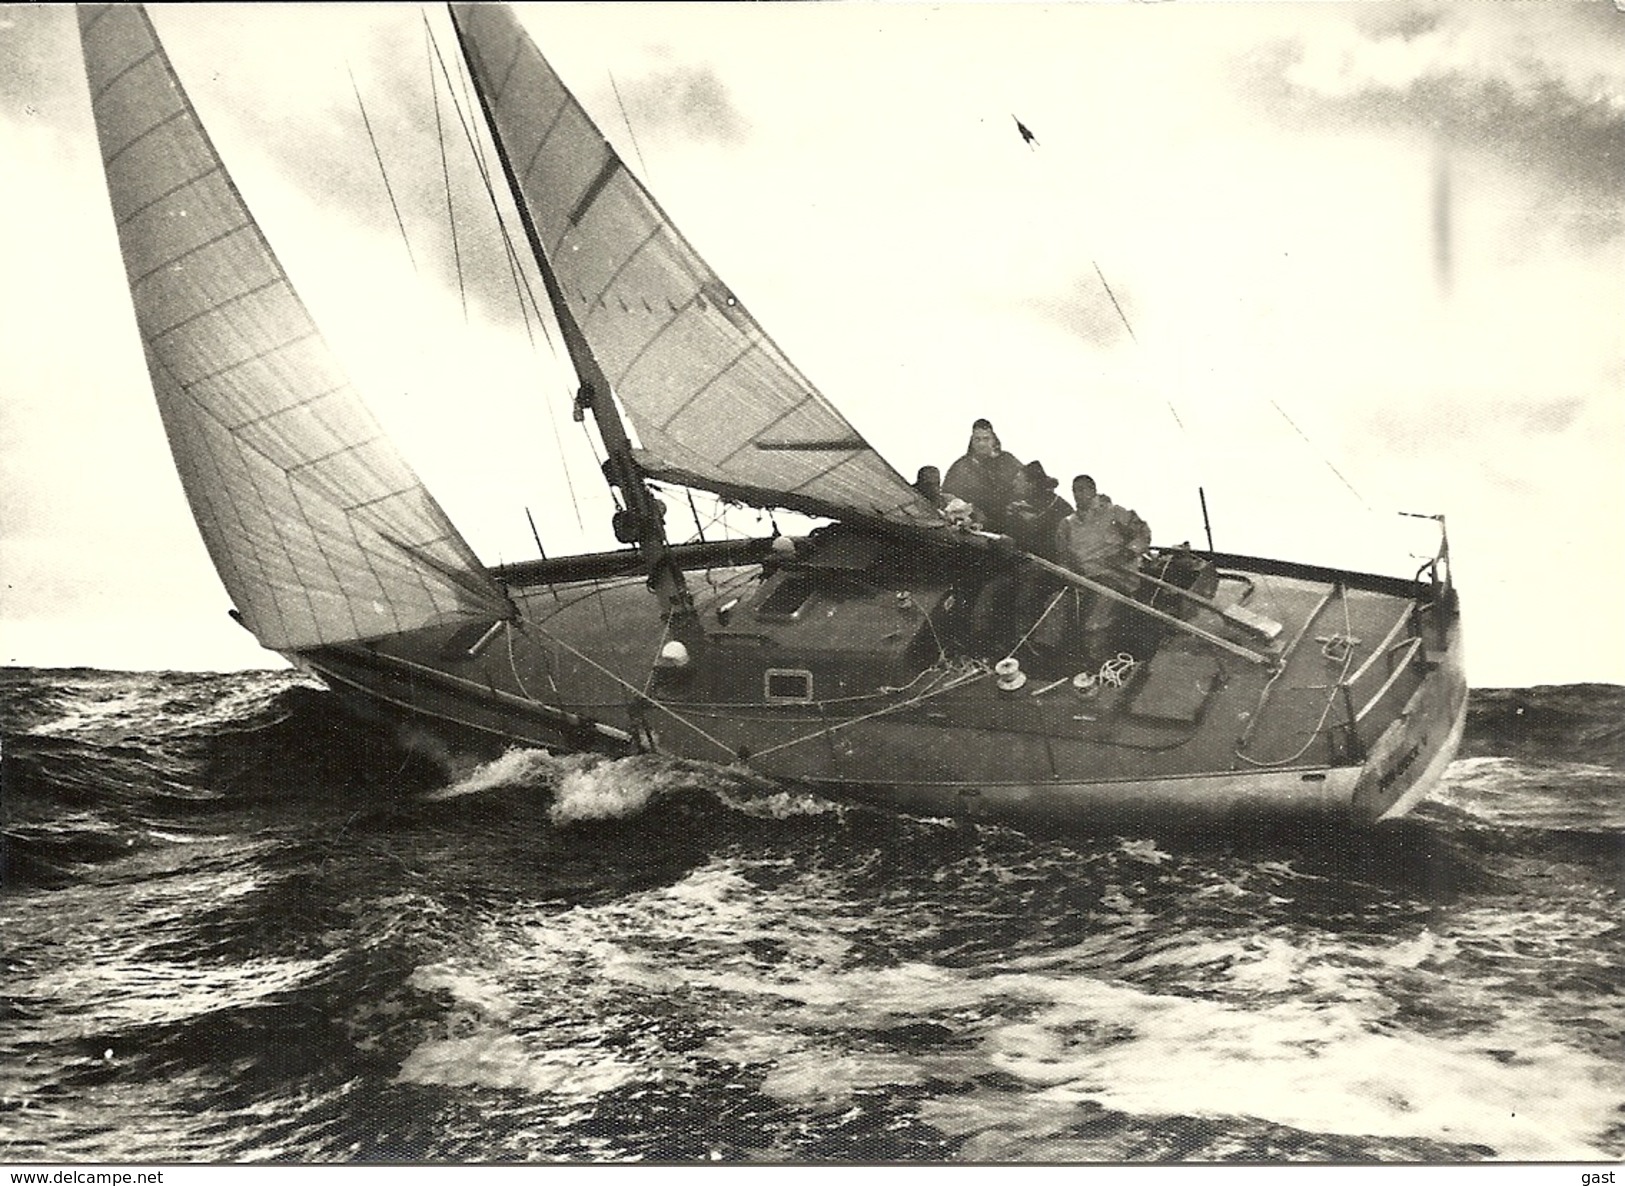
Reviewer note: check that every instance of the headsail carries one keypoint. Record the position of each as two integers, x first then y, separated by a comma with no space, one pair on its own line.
318,528
715,403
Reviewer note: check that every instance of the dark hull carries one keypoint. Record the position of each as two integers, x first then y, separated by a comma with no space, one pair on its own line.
1354,715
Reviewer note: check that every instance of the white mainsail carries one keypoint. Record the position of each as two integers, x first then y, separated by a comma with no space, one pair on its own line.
320,531
715,403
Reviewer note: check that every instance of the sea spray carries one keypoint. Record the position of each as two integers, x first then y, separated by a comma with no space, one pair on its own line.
604,790
588,787
515,768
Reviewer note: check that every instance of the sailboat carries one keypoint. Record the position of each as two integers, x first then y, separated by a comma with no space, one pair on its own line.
847,660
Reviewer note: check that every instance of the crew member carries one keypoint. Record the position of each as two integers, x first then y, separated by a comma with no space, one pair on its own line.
956,510
985,476
1034,515
1104,542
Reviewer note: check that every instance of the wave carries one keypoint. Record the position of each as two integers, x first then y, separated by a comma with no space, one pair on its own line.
587,787
1568,722
330,941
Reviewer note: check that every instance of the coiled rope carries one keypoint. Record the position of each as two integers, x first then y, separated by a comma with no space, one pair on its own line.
1113,673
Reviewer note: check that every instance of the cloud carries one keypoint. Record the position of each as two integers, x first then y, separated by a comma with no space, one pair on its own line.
1419,427
28,75
365,111
690,101
1540,87
1086,309
335,128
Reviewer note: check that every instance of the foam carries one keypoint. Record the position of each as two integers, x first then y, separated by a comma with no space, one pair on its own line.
1308,1034
497,1058
516,767
604,790
482,1048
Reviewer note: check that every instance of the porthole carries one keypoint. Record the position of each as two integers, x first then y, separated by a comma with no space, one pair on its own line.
785,685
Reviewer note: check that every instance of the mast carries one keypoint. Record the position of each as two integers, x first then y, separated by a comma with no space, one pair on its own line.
643,520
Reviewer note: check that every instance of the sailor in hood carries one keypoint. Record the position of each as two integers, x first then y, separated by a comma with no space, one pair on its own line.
985,476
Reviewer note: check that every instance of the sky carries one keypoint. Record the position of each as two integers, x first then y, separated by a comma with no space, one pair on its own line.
1324,263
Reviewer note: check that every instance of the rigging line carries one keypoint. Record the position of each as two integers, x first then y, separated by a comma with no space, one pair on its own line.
1039,621
1322,456
660,649
521,283
1121,315
445,173
715,518
537,536
955,681
942,651
593,663
632,135
513,666
695,511
1031,142
382,172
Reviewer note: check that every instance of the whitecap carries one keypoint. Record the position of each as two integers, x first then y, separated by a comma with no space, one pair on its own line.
516,767
493,1057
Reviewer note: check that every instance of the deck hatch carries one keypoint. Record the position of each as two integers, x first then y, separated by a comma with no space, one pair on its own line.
789,599
1176,687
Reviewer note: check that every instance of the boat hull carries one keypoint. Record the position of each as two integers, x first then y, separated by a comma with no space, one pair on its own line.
1354,735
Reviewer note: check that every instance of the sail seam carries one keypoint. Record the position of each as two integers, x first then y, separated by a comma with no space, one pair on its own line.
287,565
631,256
301,403
233,431
372,567
140,136
226,554
578,245
304,485
459,580
190,251
215,308
524,178
114,81
266,582
301,591
644,349
826,472
101,11
368,503
255,357
707,385
131,215
224,483
332,570
350,448
507,75
756,432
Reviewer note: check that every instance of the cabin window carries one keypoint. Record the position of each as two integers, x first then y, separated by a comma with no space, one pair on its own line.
788,599
783,685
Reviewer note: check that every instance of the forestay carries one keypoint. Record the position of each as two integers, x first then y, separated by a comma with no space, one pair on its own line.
715,403
318,528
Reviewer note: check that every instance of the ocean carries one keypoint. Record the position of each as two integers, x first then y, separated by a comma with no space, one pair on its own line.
235,926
